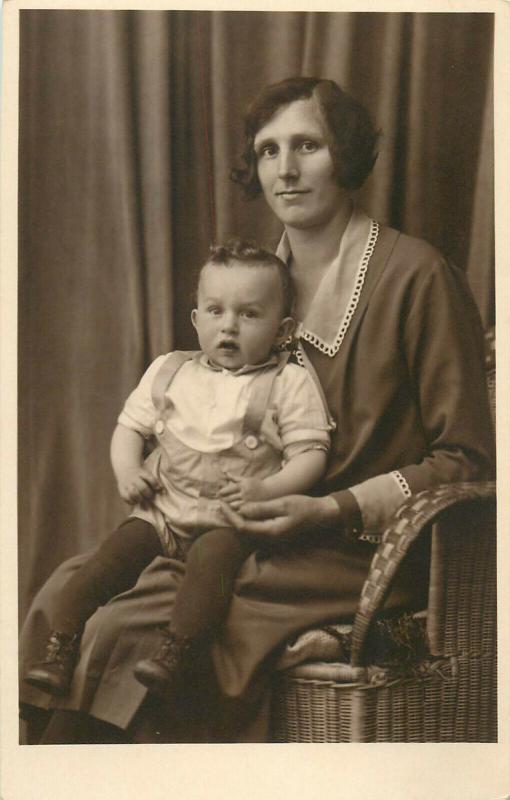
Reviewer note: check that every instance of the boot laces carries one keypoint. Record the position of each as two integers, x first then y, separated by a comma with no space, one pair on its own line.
60,647
172,649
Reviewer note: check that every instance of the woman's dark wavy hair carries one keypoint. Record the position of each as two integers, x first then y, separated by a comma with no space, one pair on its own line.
352,137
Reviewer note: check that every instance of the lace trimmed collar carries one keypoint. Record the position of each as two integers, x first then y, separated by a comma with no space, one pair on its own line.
337,297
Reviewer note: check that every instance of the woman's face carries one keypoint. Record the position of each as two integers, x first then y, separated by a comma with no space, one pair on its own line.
295,167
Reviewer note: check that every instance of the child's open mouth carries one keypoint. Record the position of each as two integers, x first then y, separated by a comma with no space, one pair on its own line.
227,344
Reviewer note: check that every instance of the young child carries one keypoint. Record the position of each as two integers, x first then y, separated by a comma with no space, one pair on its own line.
232,422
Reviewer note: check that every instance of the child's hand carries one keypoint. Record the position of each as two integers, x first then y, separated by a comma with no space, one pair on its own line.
242,490
137,485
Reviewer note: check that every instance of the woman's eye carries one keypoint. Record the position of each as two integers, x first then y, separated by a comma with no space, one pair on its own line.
308,147
268,151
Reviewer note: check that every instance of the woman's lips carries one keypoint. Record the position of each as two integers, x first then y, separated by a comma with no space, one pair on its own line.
291,195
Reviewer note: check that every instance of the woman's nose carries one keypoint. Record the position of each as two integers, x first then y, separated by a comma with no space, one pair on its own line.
287,164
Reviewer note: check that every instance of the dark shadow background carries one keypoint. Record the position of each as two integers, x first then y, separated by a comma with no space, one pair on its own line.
130,122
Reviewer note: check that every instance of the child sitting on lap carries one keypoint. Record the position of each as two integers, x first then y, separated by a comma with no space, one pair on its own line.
232,422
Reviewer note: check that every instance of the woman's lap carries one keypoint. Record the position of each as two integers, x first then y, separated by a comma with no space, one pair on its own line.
279,597
275,598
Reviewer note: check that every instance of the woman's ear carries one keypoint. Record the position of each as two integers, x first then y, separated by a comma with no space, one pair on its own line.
286,329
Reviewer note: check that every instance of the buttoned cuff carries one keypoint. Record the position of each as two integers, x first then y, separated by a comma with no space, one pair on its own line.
378,499
350,512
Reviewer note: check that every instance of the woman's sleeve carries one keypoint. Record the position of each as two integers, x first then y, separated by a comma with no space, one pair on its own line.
444,347
442,341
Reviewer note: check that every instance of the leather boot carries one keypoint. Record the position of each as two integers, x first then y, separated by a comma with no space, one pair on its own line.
54,673
163,674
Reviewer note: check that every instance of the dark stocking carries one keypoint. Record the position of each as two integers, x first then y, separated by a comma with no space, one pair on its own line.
114,568
204,595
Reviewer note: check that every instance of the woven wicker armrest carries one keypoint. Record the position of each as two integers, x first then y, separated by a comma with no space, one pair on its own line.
407,524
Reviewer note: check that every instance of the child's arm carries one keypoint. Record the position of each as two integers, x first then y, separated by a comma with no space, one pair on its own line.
135,483
296,477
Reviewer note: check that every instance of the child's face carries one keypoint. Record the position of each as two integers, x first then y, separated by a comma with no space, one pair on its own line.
239,316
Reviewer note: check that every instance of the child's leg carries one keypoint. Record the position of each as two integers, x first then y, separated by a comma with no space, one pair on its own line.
114,568
200,606
204,595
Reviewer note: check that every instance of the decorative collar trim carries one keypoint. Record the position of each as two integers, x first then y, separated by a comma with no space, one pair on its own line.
340,290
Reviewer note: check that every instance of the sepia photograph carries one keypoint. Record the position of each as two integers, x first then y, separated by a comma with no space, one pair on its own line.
228,221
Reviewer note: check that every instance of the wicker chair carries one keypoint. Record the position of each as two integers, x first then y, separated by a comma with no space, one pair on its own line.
447,692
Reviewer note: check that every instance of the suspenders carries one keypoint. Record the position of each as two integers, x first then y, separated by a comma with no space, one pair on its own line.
259,400
166,373
259,396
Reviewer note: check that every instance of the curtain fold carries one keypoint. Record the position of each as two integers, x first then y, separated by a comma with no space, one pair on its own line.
481,243
130,122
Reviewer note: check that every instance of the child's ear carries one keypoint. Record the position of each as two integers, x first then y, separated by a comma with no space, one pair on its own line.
194,318
286,329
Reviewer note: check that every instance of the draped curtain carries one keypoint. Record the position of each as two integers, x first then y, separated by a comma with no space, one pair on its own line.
130,122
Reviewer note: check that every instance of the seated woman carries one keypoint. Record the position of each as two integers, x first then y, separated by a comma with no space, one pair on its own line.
395,339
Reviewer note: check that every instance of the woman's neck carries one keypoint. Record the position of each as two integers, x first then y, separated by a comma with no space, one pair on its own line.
313,251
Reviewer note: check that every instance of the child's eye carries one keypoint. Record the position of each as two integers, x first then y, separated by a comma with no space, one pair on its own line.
249,313
214,310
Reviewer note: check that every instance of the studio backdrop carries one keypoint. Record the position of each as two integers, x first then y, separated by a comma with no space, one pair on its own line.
130,123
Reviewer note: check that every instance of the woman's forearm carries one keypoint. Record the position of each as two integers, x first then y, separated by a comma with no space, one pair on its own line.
340,509
290,515
378,499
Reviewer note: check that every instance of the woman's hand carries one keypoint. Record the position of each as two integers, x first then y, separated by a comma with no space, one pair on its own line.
282,518
137,485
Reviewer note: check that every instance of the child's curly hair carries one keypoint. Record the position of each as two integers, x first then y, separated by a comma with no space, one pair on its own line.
251,254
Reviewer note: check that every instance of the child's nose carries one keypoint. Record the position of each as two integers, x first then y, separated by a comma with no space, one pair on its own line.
229,323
